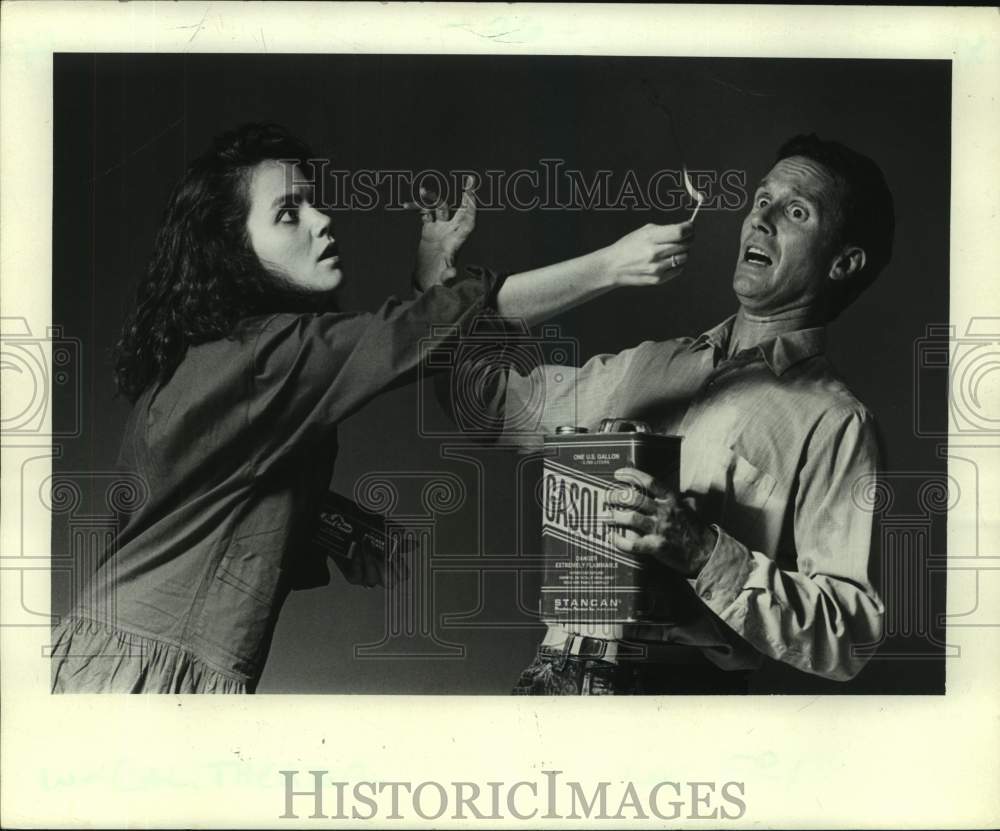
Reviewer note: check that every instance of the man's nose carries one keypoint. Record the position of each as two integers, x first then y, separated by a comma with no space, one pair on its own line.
760,219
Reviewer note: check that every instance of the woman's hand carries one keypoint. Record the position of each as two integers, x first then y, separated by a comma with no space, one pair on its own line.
442,235
366,566
649,256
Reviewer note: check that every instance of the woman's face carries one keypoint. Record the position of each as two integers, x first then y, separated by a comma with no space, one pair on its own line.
291,237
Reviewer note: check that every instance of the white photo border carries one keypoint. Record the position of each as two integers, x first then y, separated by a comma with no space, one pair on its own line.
809,762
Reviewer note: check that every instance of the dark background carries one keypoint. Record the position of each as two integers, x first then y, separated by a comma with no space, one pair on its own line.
125,127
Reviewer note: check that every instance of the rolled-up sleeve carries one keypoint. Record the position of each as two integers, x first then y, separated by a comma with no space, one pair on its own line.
813,618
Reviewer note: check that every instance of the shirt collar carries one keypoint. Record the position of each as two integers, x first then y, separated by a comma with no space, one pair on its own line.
779,354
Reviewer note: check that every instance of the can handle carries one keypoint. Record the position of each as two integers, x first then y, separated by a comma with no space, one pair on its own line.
623,425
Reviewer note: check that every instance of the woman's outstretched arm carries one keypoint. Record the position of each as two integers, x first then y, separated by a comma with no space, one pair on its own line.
649,256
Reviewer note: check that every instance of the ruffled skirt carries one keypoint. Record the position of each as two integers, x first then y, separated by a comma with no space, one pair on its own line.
92,657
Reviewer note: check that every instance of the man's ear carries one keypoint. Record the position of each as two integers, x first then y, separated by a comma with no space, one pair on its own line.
848,263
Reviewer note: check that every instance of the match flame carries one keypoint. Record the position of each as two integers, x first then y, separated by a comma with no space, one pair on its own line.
697,195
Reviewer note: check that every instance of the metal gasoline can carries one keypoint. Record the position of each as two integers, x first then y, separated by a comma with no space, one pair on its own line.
588,585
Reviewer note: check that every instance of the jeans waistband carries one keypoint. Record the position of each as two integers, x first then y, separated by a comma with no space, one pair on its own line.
582,647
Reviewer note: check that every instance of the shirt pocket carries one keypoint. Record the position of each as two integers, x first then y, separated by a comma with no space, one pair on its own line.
748,485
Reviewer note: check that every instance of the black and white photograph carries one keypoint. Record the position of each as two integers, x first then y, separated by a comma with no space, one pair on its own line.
273,348
405,388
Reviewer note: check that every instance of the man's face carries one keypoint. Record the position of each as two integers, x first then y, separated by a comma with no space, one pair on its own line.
790,239
290,237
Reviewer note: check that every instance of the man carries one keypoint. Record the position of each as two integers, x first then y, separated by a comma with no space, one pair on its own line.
767,530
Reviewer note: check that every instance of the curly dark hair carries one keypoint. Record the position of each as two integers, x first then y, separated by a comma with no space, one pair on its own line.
867,212
203,277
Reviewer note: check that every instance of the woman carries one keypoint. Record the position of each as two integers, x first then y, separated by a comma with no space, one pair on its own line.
240,367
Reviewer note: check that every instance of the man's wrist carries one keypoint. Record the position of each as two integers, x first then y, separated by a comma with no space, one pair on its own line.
725,574
709,541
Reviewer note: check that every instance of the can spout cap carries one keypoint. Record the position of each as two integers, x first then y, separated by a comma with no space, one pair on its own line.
623,425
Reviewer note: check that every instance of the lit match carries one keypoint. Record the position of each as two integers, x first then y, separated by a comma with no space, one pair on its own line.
697,195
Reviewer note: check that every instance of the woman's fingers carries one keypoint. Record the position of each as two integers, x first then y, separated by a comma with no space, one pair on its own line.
666,234
425,214
670,262
434,209
372,577
469,197
351,566
433,202
665,252
382,568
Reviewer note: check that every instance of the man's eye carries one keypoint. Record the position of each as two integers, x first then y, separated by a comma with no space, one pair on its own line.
761,201
798,213
288,216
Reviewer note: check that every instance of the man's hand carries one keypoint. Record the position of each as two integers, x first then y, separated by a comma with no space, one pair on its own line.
649,256
442,235
665,526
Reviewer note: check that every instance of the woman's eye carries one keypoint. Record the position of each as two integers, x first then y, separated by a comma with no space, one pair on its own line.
288,216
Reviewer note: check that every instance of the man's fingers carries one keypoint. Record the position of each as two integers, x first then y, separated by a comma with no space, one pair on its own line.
633,476
630,499
624,544
640,479
635,544
689,498
633,520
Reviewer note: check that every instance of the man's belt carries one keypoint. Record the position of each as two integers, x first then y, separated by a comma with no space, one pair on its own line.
562,647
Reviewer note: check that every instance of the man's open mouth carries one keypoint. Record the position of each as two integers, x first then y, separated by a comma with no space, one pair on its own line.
756,256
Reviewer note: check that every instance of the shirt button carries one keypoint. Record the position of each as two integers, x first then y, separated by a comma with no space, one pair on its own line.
707,595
